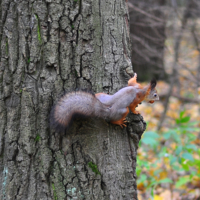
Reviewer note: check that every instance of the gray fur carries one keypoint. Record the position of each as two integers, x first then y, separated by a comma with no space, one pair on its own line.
119,102
109,107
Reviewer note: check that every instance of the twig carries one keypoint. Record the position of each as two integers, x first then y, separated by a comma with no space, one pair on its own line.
144,13
181,98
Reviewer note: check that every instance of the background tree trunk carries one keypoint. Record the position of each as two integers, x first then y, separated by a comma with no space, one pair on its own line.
47,48
147,28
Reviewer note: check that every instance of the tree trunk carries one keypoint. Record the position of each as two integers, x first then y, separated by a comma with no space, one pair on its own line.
148,38
47,48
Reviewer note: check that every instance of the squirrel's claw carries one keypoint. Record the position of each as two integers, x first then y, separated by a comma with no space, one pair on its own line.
123,123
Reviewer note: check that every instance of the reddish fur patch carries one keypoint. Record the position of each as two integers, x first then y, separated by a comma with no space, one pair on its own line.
132,81
99,94
139,98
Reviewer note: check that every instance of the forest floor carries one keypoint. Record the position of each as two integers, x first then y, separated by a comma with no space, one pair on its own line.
169,158
168,162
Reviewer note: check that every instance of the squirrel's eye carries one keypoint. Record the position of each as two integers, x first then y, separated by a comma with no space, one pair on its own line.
155,95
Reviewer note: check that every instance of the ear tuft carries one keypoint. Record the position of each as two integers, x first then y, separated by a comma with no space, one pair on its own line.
133,80
153,83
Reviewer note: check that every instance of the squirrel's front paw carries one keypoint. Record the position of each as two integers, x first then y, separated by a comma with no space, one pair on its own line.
123,123
136,112
120,122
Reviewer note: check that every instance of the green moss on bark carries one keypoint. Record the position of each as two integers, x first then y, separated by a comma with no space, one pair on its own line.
94,168
38,29
54,192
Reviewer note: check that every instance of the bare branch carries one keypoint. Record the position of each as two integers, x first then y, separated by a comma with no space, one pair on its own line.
143,12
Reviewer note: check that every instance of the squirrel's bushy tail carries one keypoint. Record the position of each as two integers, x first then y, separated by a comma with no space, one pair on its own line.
73,104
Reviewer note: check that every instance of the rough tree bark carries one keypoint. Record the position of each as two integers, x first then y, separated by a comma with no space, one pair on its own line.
49,47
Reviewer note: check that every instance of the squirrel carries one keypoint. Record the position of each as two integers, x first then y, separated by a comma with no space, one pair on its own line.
113,108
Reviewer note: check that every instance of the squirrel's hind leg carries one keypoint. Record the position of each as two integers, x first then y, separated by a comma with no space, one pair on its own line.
121,122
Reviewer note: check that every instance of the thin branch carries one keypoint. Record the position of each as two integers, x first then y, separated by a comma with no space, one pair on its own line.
152,51
198,49
181,98
143,12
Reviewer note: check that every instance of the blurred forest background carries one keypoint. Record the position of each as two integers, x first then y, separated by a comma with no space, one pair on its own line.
166,44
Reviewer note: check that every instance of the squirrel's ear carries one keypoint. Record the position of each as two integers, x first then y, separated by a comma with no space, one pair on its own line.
133,80
135,76
153,83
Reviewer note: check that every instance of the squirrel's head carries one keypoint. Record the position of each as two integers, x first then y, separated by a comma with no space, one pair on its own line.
152,94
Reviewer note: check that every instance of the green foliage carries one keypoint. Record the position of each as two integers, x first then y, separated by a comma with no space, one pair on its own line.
29,60
182,181
175,149
94,168
151,138
182,119
154,183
